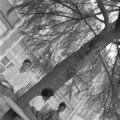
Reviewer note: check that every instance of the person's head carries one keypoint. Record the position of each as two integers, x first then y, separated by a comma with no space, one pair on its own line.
61,107
47,93
25,65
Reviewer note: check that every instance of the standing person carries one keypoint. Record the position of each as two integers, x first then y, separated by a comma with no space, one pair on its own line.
38,102
52,114
18,77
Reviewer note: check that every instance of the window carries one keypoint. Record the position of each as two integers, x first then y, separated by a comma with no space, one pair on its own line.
5,60
8,61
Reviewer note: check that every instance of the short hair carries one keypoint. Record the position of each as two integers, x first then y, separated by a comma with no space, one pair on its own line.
62,104
27,61
47,92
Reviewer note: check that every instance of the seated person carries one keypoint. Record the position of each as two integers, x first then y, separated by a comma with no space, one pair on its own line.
39,101
52,114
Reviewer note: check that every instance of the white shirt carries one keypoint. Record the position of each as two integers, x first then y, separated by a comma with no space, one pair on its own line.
37,102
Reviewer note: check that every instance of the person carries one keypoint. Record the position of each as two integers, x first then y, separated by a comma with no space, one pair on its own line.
18,77
52,114
38,102
25,65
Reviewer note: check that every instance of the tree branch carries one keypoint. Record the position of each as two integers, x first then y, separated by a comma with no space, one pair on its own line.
114,90
117,25
60,2
49,13
105,14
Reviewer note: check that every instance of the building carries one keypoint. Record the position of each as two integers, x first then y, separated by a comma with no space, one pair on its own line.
11,51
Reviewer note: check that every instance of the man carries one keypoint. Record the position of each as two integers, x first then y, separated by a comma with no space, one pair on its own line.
18,77
52,114
39,101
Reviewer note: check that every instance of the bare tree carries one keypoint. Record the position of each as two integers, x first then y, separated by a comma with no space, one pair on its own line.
75,28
